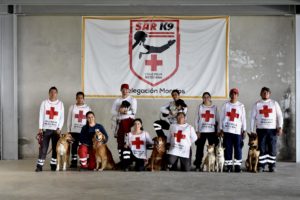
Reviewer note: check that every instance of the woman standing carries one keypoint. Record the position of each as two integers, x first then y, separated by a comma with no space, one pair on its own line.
135,149
206,124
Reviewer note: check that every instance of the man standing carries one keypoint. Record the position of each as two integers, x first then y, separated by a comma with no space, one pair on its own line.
267,122
51,121
124,110
76,120
233,127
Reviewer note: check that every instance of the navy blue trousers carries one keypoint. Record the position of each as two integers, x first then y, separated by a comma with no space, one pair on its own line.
232,142
267,140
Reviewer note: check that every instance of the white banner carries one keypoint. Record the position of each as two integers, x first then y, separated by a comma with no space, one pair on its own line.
155,56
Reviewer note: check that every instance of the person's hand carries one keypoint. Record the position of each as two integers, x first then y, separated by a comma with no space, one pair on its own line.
243,134
221,133
40,131
126,146
58,131
198,135
279,131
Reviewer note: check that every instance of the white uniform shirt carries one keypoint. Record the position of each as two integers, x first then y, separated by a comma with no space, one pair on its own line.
77,118
131,110
51,115
181,138
170,107
266,115
137,144
206,118
233,118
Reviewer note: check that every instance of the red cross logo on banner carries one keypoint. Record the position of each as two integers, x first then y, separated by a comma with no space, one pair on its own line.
80,116
137,143
154,63
207,115
179,136
265,111
52,113
232,114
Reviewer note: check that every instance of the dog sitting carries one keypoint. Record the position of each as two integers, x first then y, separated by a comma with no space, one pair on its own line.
63,150
102,153
220,155
253,153
157,159
210,159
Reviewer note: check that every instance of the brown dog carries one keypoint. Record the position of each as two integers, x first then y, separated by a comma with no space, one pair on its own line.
157,159
63,150
253,153
210,159
102,153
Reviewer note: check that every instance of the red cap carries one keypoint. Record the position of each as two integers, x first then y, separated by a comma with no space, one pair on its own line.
124,85
234,90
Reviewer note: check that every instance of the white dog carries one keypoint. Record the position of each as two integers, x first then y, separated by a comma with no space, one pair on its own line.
220,158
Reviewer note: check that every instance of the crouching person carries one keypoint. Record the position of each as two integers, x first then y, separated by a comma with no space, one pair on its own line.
86,143
135,149
180,139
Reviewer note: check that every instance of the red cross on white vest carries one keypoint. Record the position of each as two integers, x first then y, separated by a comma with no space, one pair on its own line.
207,115
80,116
232,114
154,63
179,136
137,142
265,111
52,113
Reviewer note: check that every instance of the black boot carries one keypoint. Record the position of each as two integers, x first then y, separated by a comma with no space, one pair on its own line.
39,168
73,164
53,167
228,168
237,168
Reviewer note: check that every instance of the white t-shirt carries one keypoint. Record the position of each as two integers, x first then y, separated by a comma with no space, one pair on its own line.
137,143
206,118
51,115
77,118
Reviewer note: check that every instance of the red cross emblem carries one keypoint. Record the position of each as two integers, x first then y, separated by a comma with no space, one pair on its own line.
207,115
265,111
179,136
52,113
137,142
80,116
154,63
232,114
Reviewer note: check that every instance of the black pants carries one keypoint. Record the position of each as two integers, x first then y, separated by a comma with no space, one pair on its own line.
267,140
212,139
47,135
128,158
185,163
75,147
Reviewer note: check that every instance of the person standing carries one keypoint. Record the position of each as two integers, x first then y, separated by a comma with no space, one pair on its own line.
124,110
267,122
233,129
76,120
206,126
51,120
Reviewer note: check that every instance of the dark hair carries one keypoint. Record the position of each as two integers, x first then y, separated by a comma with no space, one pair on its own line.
53,88
89,112
180,112
206,93
265,89
177,91
140,120
79,93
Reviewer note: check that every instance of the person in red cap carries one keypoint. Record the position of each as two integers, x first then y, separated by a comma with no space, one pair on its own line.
233,129
123,110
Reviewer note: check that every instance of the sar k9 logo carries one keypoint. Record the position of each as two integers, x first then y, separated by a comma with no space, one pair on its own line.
154,48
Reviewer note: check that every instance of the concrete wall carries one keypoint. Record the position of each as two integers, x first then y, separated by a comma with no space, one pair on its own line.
262,53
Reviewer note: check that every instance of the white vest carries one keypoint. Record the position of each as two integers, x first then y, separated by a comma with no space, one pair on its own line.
51,115
206,118
233,118
181,138
265,114
137,144
78,118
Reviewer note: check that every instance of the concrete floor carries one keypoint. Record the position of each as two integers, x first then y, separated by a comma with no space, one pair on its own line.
19,181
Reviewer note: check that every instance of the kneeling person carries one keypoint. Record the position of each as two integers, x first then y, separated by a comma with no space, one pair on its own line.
181,137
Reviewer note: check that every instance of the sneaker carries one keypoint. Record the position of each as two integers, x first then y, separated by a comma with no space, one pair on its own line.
53,167
272,169
73,165
39,168
261,169
228,169
237,169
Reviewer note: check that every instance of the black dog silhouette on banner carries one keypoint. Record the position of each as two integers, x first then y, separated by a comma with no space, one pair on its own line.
140,38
